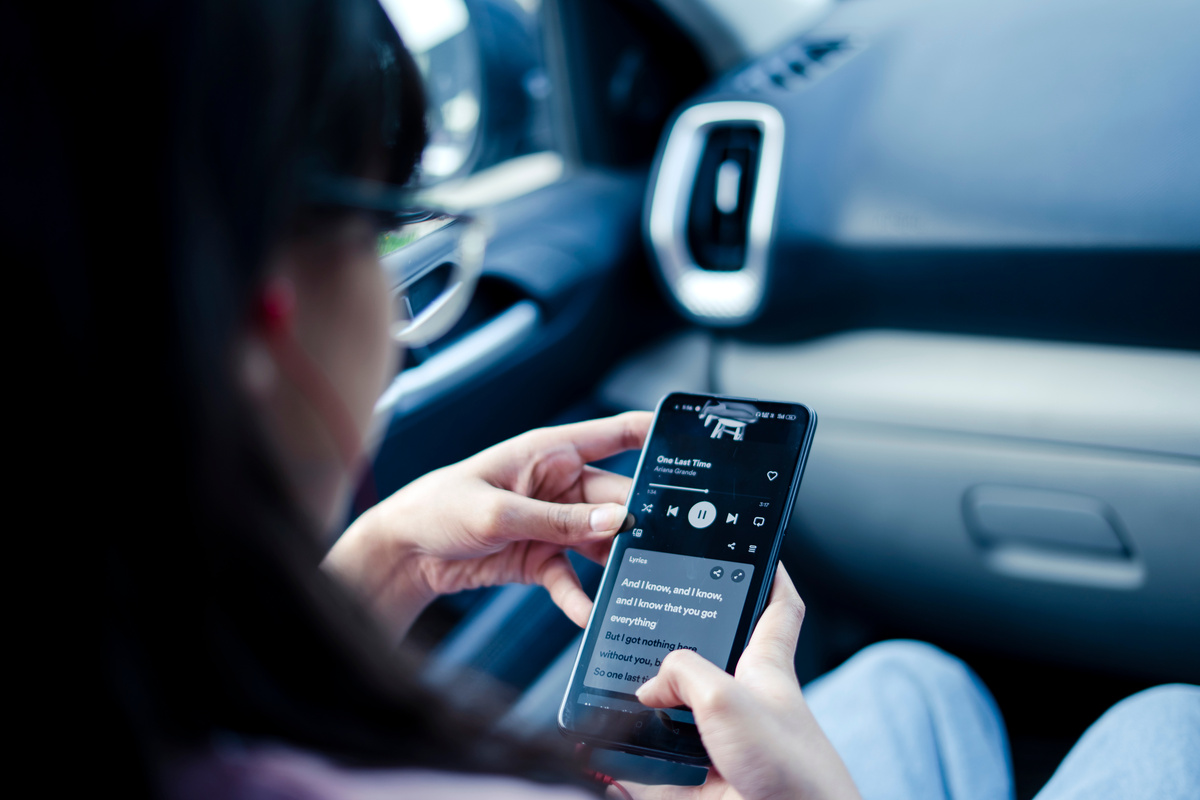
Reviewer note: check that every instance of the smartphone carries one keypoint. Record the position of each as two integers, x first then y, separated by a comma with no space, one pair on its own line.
710,501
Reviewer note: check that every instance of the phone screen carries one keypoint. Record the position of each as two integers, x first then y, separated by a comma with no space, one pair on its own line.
710,501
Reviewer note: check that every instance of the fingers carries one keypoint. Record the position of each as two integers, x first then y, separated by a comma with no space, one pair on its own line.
600,438
552,462
561,581
778,630
595,551
689,679
734,723
602,486
567,524
644,791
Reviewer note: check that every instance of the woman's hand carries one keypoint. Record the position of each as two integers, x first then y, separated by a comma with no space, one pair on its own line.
762,739
508,514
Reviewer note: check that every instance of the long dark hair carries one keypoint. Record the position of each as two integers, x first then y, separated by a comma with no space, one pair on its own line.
156,153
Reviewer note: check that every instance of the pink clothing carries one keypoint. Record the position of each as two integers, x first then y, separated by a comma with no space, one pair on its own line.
281,773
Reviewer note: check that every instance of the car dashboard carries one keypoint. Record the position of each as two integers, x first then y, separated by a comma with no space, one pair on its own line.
967,234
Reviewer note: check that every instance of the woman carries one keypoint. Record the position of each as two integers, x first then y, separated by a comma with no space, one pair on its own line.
169,178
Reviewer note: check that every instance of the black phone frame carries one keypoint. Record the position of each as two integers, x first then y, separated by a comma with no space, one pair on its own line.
656,731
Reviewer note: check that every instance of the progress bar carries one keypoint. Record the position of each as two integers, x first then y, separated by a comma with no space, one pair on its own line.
681,488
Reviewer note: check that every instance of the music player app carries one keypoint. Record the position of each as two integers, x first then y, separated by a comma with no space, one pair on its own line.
710,493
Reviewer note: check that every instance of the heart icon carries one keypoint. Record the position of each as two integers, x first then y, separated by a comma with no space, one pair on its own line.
772,475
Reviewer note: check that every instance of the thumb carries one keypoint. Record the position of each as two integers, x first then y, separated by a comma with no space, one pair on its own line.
689,679
728,716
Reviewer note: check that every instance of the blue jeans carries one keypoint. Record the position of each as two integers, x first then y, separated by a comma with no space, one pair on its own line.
911,721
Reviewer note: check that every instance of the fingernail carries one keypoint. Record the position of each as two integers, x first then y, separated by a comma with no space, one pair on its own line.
607,518
645,687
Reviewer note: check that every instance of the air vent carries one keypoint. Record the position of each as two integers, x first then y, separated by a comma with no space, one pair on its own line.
719,211
712,212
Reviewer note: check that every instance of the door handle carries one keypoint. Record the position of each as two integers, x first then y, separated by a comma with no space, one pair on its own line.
470,356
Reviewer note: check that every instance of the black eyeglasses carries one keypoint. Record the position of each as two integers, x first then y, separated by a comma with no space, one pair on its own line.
454,243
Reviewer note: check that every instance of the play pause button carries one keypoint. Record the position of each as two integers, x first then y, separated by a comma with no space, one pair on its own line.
702,514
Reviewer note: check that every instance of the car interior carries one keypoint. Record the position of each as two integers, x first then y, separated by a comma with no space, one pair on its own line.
967,234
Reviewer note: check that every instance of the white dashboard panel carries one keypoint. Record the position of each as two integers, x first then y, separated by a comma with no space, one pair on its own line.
1036,497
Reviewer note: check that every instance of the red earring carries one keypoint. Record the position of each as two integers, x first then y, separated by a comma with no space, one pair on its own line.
277,305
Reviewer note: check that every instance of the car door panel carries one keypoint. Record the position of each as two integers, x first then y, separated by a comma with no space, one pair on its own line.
563,293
